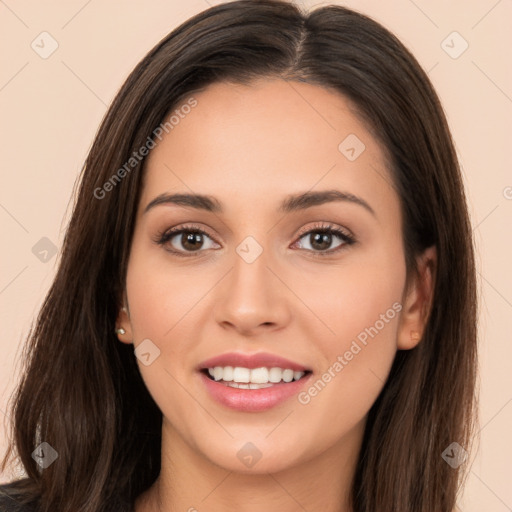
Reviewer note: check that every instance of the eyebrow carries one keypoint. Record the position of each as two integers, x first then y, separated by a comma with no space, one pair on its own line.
291,203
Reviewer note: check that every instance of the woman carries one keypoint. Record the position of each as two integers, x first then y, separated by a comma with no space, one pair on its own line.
266,298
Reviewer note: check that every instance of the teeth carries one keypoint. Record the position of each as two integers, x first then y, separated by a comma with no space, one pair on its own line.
239,374
256,378
288,375
217,373
227,374
246,386
259,376
275,374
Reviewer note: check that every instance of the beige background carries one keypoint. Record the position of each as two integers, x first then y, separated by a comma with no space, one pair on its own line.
51,108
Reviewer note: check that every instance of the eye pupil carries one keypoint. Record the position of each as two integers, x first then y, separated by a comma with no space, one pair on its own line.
321,241
194,239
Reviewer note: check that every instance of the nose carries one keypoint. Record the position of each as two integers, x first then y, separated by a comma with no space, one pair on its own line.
252,298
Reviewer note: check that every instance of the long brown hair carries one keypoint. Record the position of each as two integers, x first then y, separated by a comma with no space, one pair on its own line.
81,390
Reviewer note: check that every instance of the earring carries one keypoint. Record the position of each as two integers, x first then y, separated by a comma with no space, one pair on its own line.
415,335
120,331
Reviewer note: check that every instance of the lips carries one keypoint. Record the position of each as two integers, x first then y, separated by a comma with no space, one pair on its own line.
256,360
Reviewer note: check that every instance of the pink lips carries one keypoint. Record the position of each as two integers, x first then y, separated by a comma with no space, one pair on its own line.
252,400
257,360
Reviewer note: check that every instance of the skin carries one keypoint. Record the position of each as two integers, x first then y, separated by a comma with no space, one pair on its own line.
250,147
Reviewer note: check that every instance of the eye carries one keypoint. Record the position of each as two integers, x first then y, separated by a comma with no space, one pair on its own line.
191,239
321,237
184,239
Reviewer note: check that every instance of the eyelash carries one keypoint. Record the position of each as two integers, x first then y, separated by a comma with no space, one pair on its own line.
163,237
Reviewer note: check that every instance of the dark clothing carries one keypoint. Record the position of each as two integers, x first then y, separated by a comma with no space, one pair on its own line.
10,501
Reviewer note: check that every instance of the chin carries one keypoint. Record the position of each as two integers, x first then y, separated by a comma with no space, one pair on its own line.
255,454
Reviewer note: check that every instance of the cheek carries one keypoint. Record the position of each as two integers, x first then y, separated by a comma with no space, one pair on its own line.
159,296
356,298
160,305
361,306
162,310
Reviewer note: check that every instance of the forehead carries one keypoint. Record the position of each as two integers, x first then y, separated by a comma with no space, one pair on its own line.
251,144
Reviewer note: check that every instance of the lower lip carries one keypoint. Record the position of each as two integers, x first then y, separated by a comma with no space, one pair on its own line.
253,400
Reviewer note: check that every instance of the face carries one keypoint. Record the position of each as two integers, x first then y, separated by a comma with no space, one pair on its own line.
269,268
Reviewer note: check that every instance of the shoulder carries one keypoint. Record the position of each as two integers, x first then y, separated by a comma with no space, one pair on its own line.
12,501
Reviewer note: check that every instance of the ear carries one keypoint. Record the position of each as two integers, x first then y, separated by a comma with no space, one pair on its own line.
123,325
417,301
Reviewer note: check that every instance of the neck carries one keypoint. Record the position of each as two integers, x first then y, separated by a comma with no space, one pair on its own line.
189,482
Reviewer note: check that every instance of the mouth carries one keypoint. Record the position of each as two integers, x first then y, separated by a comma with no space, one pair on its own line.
252,389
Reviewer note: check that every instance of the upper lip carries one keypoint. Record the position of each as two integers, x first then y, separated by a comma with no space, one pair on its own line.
257,360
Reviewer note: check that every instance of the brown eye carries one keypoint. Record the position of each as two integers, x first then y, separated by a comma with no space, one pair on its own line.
183,240
191,241
320,239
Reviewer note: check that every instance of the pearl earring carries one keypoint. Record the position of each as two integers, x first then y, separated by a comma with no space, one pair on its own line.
120,331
